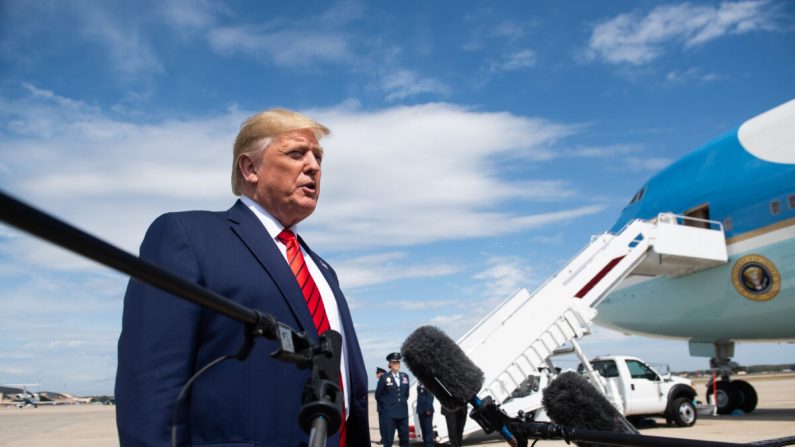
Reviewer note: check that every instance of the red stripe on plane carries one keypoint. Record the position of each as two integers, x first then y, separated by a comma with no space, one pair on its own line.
595,280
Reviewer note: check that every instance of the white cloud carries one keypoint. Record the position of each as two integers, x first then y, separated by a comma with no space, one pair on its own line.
190,16
294,46
510,30
394,177
482,34
293,43
122,37
504,276
409,305
387,267
401,84
515,61
444,321
600,151
126,42
652,164
635,39
691,74
556,239
63,102
410,175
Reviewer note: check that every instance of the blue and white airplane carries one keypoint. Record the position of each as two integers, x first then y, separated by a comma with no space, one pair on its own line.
744,179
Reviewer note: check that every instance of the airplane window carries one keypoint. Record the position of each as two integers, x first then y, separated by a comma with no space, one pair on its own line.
775,207
791,201
638,195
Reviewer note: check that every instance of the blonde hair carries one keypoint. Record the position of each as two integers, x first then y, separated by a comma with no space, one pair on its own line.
258,131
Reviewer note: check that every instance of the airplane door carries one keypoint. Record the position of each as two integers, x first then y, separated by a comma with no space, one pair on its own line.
644,394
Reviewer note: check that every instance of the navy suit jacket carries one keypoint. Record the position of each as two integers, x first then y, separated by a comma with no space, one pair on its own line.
392,396
165,340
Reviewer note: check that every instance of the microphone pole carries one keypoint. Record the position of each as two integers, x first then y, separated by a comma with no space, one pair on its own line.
542,430
490,417
60,233
325,400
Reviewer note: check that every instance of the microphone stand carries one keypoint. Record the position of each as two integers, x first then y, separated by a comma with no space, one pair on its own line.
320,415
492,418
542,430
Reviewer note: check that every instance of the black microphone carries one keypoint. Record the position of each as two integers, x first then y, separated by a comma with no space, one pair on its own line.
580,411
440,364
572,401
583,415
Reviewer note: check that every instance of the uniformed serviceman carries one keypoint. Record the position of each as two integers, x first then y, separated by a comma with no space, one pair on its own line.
392,393
425,413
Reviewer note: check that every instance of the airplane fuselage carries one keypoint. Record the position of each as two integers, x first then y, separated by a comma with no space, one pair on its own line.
745,180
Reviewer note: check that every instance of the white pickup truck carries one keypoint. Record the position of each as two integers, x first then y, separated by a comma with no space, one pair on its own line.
633,387
640,391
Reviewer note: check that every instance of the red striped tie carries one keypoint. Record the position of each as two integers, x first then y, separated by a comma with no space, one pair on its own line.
311,295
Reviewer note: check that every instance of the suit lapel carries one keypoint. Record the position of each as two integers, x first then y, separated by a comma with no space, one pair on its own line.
251,232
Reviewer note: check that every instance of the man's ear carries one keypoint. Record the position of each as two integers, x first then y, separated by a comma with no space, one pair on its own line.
248,169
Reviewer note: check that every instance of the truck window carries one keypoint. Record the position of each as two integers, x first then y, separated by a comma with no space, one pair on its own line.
606,368
640,371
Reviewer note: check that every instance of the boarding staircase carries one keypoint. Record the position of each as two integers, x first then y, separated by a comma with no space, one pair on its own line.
517,339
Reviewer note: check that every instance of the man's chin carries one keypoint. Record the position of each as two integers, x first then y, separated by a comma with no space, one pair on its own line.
301,210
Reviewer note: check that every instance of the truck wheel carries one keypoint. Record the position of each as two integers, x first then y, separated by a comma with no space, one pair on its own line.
683,412
749,398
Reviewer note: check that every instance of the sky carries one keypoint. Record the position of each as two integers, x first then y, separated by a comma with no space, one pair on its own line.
476,146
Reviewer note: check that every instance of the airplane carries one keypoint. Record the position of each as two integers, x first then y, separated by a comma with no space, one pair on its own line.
704,251
24,398
744,181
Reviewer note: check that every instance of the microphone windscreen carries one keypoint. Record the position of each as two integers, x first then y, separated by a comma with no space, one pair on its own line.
572,401
440,364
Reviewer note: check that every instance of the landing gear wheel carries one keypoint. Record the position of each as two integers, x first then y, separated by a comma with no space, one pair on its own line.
747,392
728,396
683,412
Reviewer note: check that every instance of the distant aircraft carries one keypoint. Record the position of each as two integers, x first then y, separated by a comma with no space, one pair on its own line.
743,180
24,398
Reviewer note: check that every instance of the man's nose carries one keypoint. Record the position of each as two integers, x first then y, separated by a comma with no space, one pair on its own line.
312,163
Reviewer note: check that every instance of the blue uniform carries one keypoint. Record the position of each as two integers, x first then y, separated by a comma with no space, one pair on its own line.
425,413
392,393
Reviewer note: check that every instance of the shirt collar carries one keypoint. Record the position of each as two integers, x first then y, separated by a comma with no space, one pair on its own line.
273,226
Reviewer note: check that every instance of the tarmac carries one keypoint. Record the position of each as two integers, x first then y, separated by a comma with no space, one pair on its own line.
95,426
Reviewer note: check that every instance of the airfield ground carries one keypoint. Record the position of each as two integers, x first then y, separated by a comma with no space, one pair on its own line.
94,425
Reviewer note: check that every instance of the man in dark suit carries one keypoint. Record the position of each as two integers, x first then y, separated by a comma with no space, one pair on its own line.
392,392
456,420
425,413
242,254
378,373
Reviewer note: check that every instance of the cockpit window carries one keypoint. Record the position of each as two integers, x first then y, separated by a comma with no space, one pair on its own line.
638,195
